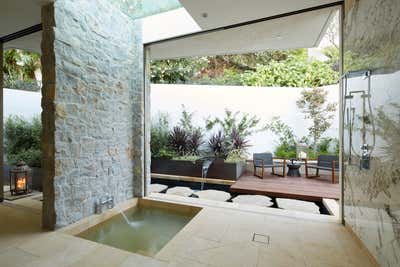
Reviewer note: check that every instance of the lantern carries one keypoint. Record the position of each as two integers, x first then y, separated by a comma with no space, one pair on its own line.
301,150
20,179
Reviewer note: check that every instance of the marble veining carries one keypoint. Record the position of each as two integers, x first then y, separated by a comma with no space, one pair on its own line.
371,196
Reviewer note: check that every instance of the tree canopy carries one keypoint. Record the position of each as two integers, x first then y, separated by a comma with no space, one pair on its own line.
292,68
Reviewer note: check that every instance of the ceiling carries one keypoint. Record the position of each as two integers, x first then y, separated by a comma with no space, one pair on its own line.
228,12
16,15
298,31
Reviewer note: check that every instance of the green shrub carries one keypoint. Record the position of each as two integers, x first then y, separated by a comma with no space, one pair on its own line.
292,73
236,155
23,140
285,151
328,146
159,142
13,82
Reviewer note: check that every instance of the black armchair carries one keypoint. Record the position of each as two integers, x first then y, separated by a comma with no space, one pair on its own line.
266,160
326,163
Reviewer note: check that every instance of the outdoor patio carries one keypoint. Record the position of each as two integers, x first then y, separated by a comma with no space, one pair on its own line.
309,189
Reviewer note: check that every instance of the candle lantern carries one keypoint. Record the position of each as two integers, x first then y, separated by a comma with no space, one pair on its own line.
301,150
20,179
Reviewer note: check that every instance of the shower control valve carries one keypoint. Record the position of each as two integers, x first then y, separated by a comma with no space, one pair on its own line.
365,157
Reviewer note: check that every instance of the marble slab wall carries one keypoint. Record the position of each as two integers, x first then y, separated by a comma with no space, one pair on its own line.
372,117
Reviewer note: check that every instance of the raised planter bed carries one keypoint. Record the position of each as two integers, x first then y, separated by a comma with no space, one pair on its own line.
219,169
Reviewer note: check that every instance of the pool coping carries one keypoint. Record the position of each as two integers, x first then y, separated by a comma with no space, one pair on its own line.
96,219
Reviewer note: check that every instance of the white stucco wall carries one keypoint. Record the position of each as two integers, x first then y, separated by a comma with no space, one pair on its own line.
22,103
265,102
205,100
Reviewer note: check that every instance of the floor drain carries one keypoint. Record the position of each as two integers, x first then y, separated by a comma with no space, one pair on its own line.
260,238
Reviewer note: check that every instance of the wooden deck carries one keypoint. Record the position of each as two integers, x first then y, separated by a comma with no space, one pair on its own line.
314,189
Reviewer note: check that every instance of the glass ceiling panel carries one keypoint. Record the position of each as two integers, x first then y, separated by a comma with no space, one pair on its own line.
142,8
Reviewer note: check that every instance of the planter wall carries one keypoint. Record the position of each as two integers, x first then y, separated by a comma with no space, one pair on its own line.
219,169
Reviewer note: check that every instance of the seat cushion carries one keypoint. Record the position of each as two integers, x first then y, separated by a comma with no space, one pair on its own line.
321,168
268,166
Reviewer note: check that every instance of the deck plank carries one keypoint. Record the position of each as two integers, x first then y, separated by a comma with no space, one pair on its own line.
301,188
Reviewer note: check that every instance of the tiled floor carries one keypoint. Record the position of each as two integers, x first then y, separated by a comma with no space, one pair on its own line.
217,236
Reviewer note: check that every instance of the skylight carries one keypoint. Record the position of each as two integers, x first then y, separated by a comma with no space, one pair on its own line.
142,8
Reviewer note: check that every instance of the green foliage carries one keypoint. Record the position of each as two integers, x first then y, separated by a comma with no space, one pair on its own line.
332,52
328,146
282,130
22,140
315,107
175,71
236,155
285,151
14,82
296,71
194,134
159,142
234,128
287,140
243,123
271,68
19,69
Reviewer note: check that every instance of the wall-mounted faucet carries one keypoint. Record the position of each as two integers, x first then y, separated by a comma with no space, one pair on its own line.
365,157
107,201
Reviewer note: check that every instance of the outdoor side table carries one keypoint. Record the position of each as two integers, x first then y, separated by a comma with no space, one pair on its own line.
294,169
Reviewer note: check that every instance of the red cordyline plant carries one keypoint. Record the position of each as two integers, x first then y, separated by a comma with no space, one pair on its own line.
217,145
237,141
194,142
178,140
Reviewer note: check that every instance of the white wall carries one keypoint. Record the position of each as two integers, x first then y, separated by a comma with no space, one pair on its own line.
265,102
21,103
205,100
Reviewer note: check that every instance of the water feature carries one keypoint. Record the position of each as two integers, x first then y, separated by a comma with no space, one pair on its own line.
143,230
132,224
204,170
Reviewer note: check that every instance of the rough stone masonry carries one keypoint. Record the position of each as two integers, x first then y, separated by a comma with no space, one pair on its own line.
93,108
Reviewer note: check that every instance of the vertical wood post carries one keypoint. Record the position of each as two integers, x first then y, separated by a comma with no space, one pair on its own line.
1,122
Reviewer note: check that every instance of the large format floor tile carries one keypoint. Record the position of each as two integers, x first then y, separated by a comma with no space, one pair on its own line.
217,236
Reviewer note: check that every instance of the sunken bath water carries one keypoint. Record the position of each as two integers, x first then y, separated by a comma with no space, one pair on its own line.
147,230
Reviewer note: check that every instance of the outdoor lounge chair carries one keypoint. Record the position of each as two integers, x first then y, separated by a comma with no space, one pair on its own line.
265,160
326,163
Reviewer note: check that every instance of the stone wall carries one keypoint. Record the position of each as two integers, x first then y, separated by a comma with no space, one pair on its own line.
372,196
93,108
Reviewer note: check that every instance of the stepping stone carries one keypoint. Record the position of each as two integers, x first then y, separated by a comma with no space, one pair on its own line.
157,188
180,191
297,205
255,200
213,195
